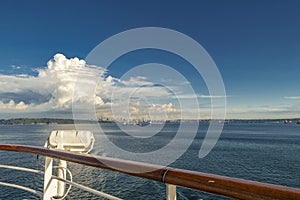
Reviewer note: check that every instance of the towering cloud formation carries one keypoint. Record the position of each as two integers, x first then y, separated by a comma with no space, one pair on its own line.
52,90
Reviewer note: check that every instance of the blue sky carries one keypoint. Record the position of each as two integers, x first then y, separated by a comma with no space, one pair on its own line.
255,44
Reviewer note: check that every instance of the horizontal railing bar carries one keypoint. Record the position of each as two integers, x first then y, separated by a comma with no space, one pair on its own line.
215,184
21,169
82,187
22,188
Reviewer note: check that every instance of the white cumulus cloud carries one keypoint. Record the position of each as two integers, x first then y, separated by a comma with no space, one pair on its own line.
66,81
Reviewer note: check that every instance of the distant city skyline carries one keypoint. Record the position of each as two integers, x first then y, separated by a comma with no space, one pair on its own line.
255,45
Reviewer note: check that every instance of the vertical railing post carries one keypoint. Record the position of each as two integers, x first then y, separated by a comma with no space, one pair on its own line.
50,185
61,173
171,192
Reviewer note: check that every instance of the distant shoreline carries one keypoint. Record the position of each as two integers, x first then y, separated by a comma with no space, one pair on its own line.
25,121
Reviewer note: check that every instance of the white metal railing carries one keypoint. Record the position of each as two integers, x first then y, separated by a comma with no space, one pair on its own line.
22,169
87,189
40,194
171,189
69,182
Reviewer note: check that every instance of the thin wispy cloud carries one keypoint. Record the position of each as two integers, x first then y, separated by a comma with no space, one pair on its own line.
211,96
265,111
201,96
15,67
137,81
292,97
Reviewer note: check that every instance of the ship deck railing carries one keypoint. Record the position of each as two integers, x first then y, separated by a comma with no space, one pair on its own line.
209,183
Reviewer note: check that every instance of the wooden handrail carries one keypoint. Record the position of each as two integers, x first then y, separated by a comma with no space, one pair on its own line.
214,184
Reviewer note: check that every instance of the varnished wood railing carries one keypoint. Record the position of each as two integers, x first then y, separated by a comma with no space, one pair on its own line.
214,184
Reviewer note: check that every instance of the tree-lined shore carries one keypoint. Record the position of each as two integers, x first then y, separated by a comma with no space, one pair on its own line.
24,121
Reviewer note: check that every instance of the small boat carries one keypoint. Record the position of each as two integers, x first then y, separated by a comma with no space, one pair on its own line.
143,123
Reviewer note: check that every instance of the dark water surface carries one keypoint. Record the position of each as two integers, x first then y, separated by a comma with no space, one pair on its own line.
260,152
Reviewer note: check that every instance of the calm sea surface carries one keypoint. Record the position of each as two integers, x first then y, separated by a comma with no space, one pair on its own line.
261,152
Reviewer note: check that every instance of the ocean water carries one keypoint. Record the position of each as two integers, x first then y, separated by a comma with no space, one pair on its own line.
261,152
